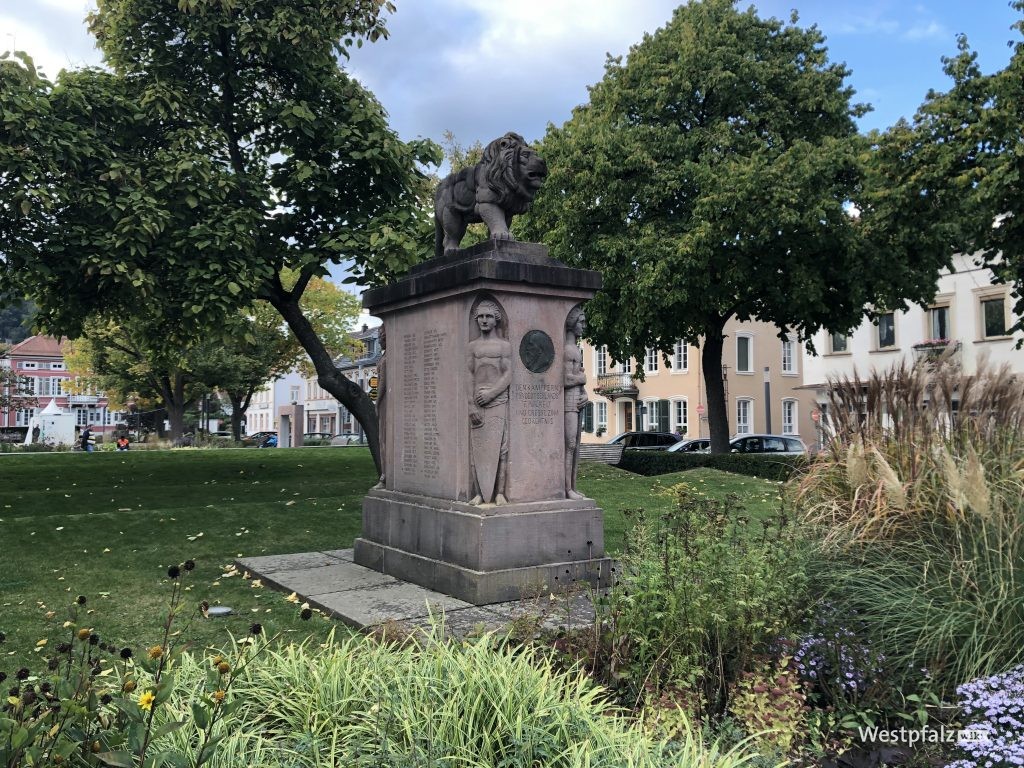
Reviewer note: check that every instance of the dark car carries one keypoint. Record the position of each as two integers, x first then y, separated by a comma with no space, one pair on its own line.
777,444
646,441
259,438
696,445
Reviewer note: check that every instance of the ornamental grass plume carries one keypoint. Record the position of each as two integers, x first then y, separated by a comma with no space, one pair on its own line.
922,529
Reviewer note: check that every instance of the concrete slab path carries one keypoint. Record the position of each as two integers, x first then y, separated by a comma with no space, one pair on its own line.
364,598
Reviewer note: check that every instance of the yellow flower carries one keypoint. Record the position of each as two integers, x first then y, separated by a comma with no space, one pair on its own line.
83,633
223,667
146,700
156,652
218,696
129,686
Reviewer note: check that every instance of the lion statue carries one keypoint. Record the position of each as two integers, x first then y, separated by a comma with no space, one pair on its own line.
500,186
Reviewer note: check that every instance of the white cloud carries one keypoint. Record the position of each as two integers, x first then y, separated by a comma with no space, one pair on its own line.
77,7
931,30
47,51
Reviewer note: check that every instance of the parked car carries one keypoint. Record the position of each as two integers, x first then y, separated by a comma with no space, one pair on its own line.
646,441
345,438
777,444
696,445
317,438
258,438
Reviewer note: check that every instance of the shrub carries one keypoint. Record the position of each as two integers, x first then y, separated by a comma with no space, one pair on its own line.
755,465
703,590
920,507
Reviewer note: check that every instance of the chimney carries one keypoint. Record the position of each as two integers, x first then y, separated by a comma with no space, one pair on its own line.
365,327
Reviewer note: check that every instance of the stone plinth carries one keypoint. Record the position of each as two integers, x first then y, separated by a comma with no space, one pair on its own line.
421,526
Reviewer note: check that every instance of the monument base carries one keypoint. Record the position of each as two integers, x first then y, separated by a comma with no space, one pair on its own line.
488,554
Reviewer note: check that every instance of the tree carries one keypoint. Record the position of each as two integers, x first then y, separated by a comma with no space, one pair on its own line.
711,176
13,388
225,146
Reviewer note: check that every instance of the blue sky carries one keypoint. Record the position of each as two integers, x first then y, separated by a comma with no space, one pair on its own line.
482,67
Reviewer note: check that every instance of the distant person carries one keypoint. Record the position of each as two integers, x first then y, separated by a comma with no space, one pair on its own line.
122,443
35,434
87,441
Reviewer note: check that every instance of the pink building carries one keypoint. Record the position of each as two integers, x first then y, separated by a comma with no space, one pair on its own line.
40,359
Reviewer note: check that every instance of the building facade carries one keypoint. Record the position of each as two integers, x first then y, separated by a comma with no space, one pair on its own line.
40,361
763,378
967,320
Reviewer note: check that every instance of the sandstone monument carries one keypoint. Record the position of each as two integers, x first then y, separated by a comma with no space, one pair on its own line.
480,433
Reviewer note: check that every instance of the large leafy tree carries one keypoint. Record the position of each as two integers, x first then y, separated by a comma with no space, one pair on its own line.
224,147
712,175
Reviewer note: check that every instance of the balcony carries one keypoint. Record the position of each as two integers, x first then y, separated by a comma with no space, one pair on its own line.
616,385
933,350
83,399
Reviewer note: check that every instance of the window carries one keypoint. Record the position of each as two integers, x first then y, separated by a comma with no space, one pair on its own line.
886,330
789,417
838,341
744,416
56,366
627,365
24,416
664,415
651,361
588,418
602,416
650,421
993,317
938,323
29,385
789,356
744,355
294,394
27,365
81,417
601,360
680,417
681,357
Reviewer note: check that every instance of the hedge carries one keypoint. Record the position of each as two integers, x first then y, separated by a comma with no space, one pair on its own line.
754,464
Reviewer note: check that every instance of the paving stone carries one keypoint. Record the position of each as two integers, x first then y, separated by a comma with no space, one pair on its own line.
398,601
271,563
339,576
341,554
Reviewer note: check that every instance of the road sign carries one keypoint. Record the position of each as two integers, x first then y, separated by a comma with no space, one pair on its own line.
373,382
373,394
700,408
816,415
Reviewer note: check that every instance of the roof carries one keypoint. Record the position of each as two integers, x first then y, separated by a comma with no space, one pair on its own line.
38,346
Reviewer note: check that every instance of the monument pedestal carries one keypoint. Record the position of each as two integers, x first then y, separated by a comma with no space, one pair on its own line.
476,408
484,554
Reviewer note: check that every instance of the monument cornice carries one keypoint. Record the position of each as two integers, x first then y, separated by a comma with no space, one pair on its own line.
502,261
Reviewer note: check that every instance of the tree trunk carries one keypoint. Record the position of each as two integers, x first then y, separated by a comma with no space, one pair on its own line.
237,412
711,364
172,389
345,391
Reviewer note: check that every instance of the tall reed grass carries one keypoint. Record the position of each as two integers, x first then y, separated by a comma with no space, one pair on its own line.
919,503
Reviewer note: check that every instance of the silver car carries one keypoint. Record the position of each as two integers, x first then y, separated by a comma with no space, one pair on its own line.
775,444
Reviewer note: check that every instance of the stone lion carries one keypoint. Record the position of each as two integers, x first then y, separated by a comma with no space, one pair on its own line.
500,186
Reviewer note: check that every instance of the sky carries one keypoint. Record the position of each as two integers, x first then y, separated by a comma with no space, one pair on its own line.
479,68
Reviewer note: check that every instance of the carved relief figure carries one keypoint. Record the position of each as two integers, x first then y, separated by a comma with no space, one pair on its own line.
575,396
489,359
500,186
382,408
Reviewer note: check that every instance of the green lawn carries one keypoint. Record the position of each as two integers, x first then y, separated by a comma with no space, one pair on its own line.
108,525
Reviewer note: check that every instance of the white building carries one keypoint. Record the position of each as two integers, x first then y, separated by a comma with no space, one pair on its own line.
968,317
262,414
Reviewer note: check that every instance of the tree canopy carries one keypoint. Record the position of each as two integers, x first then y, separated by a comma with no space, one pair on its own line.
713,175
225,146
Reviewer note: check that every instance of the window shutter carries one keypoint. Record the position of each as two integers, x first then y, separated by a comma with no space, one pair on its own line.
664,416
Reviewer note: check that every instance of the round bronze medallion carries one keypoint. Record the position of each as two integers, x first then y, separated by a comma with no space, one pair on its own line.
536,351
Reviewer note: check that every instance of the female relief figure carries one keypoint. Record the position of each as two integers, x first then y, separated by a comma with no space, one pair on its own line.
489,359
382,409
575,396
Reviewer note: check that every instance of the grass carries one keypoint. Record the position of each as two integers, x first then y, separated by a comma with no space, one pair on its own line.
108,525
